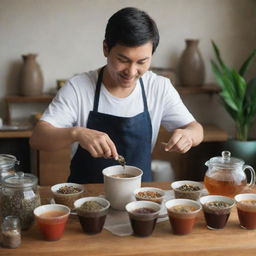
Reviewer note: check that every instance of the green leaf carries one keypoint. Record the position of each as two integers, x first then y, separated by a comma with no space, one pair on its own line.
239,86
232,113
247,63
217,73
217,54
238,97
228,100
250,99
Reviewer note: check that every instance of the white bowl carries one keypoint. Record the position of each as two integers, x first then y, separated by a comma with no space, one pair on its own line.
193,195
149,189
66,199
119,191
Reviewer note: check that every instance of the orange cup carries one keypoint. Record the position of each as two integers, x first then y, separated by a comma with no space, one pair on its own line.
51,220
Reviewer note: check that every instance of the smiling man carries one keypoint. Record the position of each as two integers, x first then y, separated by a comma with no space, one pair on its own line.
117,109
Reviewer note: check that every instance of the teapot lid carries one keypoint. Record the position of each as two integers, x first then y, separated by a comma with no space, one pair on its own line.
225,161
20,180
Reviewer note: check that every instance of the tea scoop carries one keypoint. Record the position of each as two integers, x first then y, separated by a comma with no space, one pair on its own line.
121,160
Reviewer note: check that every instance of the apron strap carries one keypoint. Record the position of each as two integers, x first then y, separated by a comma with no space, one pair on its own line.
143,95
97,92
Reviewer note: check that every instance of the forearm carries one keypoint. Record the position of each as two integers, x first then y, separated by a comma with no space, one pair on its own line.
196,132
49,138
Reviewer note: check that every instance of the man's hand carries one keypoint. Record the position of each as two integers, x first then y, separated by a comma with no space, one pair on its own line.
182,139
97,143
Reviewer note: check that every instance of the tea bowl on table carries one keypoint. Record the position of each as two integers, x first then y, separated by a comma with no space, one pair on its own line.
119,184
246,210
92,212
143,216
51,220
187,189
182,215
149,194
216,210
67,193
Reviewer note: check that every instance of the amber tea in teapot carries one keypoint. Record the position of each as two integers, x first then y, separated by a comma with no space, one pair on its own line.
225,175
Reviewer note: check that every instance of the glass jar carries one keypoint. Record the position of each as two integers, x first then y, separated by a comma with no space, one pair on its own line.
20,197
226,175
11,234
7,165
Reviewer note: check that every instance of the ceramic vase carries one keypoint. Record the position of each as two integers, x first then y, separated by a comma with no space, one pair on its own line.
191,67
31,77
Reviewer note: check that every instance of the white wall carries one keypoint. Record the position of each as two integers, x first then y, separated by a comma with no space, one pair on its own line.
67,36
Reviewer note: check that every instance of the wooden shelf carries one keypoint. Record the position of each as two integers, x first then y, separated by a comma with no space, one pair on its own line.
170,73
205,89
15,134
27,99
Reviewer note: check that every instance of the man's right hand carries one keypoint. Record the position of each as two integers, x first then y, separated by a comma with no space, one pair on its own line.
49,138
97,143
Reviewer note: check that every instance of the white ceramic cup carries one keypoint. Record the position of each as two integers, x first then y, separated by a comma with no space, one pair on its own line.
119,191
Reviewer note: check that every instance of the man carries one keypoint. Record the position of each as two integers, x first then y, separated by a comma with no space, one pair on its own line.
119,108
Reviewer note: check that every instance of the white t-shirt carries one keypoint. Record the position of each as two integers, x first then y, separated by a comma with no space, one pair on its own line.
74,101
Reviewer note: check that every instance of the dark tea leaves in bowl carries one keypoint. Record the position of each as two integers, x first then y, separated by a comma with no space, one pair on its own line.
188,188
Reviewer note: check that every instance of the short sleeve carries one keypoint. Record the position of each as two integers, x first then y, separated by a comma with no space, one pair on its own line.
175,112
62,111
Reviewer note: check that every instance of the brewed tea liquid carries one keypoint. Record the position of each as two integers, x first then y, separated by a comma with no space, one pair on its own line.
225,185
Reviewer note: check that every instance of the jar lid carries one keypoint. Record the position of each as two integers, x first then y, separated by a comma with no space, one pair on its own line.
225,161
7,161
20,180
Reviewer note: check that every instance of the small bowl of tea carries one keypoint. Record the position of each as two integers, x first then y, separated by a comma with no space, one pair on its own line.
67,193
143,216
149,194
216,210
246,210
187,189
182,215
51,220
92,212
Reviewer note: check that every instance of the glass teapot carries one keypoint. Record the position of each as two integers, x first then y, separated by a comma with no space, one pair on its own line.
226,175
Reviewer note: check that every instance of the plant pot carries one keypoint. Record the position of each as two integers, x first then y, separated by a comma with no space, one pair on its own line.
245,150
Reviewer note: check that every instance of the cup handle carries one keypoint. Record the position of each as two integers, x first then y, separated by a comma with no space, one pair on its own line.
252,181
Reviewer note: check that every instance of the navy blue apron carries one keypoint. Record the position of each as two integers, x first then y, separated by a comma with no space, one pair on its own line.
131,135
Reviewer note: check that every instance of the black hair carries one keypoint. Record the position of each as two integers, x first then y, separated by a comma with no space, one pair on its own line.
131,27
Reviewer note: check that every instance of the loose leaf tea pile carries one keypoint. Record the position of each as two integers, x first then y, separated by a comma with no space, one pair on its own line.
188,187
91,206
149,194
69,190
217,204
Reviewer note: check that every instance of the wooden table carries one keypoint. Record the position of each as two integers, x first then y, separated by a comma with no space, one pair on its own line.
230,241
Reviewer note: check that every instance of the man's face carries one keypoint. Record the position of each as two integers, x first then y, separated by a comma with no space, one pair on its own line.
126,64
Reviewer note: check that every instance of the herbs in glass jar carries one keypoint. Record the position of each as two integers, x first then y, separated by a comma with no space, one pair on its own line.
21,204
20,197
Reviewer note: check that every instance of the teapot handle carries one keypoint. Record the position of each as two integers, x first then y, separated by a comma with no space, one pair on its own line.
252,181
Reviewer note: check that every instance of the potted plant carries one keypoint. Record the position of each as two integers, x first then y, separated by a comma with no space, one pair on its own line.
238,96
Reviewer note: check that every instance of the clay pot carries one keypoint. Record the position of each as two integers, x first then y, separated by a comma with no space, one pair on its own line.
191,67
31,77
